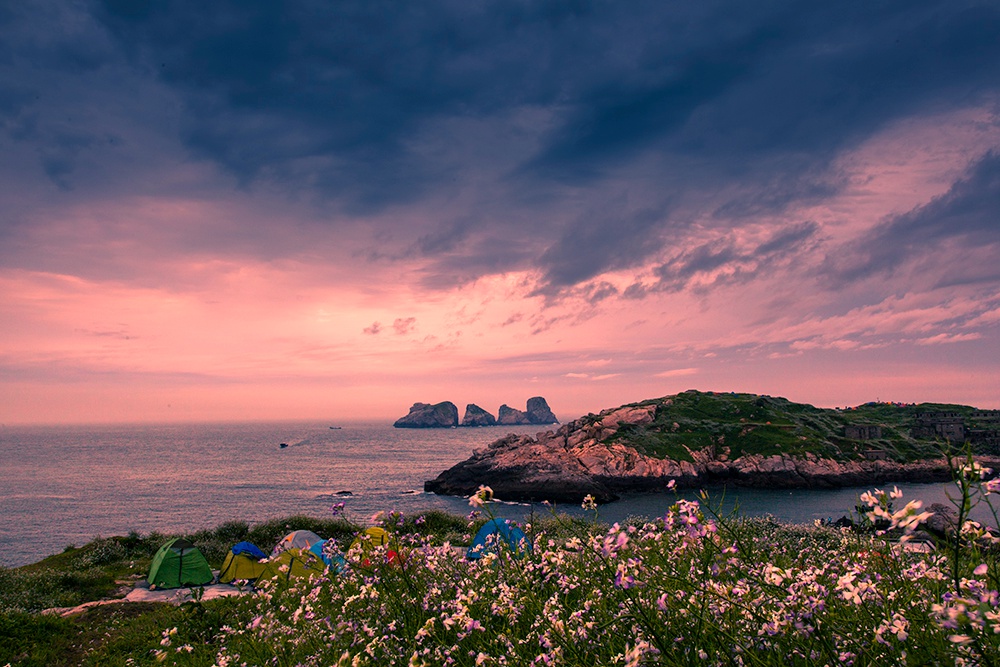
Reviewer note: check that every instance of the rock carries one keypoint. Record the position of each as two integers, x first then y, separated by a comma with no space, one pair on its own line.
629,415
942,522
425,415
522,468
539,413
508,416
476,416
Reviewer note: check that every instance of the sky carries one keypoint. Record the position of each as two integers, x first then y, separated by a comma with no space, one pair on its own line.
255,210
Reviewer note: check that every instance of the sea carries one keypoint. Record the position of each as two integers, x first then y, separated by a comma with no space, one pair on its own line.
65,485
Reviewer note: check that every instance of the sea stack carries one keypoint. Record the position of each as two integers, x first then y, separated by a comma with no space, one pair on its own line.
539,412
425,415
508,416
476,416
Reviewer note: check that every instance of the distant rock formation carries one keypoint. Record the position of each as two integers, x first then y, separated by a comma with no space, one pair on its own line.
508,416
425,415
476,416
539,412
445,415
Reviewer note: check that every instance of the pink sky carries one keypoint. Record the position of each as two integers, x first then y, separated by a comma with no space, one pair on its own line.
489,252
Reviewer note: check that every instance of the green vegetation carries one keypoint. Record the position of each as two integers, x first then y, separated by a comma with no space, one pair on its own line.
690,588
737,424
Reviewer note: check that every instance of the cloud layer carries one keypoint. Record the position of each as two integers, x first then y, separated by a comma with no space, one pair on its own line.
718,192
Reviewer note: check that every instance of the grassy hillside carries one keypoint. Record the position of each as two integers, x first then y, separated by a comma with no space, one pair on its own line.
737,424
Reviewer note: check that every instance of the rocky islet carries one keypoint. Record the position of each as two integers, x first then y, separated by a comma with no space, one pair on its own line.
595,456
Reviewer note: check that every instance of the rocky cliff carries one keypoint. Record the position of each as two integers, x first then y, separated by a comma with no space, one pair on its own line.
596,456
425,415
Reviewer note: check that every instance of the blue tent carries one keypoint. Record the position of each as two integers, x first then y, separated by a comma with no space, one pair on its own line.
336,563
503,531
249,549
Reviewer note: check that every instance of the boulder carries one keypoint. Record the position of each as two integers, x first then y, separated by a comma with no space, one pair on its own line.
509,416
476,416
425,415
539,413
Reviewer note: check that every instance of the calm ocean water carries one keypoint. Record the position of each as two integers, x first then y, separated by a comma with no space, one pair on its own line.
62,485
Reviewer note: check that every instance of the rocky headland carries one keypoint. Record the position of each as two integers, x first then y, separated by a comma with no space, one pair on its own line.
445,415
641,447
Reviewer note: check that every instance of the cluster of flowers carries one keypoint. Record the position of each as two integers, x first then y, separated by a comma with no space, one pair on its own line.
688,588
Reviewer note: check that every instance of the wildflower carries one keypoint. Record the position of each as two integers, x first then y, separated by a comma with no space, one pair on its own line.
974,471
589,503
981,570
899,627
481,497
337,509
671,485
907,518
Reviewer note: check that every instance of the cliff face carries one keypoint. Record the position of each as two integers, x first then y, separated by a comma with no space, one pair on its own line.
593,457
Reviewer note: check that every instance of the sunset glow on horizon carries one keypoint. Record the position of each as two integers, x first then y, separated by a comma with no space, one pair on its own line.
253,211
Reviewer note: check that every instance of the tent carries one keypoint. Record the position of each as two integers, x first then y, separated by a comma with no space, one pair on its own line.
337,562
376,537
372,537
178,563
297,539
494,533
293,563
242,562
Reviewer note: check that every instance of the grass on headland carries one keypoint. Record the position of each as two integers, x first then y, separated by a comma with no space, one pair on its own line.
689,588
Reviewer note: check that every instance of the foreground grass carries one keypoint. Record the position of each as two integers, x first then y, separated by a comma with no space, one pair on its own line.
689,588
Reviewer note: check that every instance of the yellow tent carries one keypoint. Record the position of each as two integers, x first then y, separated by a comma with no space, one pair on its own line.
240,566
377,537
372,537
294,563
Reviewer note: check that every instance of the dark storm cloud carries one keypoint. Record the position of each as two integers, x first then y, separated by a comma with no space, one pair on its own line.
735,264
601,240
737,107
333,92
961,227
347,83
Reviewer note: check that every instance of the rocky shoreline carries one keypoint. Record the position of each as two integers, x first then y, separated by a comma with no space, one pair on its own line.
584,458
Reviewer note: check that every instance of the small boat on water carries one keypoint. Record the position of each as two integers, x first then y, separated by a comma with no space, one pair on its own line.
283,445
336,428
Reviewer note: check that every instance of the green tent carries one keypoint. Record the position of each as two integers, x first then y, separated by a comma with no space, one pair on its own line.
178,563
